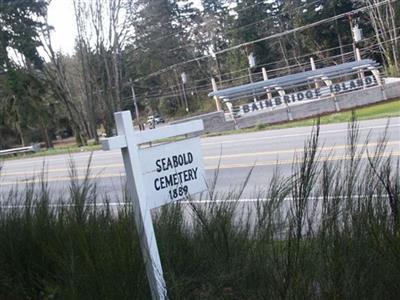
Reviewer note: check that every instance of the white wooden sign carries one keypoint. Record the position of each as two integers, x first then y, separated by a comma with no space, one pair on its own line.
155,176
172,171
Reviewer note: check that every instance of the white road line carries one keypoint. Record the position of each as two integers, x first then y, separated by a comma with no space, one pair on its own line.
296,150
215,157
98,154
33,179
293,135
199,201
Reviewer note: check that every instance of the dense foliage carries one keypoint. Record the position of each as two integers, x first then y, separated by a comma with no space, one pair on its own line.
127,47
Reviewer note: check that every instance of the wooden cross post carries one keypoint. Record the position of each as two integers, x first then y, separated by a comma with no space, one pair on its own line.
126,141
142,176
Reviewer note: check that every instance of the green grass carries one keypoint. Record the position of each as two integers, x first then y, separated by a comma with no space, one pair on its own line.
54,151
344,244
67,149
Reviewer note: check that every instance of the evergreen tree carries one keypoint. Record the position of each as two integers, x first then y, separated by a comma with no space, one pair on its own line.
211,37
253,19
19,28
163,38
335,34
21,104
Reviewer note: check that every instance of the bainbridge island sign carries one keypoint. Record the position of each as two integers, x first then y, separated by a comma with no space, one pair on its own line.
307,95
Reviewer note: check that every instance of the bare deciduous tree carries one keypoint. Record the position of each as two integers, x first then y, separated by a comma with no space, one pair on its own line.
102,31
55,72
384,23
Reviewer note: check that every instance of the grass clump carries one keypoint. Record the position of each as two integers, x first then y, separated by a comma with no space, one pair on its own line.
330,230
68,248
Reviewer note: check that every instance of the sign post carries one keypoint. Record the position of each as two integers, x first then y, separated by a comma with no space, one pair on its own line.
155,176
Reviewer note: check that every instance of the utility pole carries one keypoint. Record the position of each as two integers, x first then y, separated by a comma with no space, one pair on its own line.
214,56
265,77
350,18
137,115
313,67
356,34
134,100
214,87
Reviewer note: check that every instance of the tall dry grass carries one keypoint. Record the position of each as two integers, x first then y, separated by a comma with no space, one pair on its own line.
330,230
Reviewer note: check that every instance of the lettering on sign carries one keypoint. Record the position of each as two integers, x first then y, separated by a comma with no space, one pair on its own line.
304,96
177,179
173,171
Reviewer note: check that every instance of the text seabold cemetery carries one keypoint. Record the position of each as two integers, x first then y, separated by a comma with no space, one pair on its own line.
175,179
173,171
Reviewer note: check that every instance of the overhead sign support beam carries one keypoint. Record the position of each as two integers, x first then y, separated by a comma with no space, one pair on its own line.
282,93
375,72
329,84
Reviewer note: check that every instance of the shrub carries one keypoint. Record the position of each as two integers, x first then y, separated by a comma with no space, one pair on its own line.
329,230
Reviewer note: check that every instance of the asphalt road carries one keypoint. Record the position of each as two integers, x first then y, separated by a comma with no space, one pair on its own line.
233,155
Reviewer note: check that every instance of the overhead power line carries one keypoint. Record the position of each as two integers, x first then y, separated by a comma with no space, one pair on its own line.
344,55
330,19
229,31
273,36
207,87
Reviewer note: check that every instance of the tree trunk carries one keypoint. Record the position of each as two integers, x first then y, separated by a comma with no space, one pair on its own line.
45,134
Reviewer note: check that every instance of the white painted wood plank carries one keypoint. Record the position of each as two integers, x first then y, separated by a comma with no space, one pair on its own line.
115,142
169,131
142,212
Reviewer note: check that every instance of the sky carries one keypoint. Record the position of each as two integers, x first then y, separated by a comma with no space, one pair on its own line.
61,17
